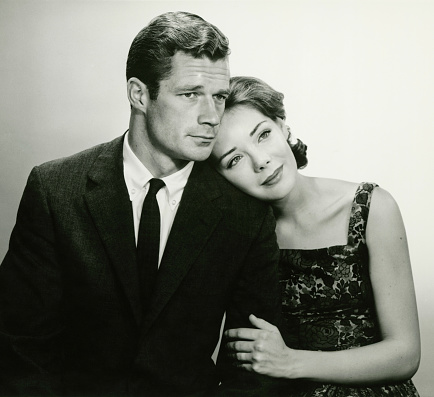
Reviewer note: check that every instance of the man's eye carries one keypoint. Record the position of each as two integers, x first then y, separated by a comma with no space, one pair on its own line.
190,94
221,98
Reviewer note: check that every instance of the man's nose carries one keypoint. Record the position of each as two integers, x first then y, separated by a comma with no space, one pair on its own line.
209,112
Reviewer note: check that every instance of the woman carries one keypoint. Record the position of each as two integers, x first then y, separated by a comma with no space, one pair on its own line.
349,306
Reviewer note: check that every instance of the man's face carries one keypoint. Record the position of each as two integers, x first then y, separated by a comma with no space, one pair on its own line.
182,122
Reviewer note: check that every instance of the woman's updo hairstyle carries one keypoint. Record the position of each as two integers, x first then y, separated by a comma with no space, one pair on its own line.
253,92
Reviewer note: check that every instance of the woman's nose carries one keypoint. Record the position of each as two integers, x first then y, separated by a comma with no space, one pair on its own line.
260,160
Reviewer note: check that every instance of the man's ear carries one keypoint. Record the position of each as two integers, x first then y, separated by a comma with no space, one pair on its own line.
138,94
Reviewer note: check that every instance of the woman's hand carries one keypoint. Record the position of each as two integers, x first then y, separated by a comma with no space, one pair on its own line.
261,350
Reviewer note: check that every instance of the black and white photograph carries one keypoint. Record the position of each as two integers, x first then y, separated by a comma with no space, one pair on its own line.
216,198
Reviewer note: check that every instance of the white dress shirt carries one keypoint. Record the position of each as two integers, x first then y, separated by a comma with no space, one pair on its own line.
137,178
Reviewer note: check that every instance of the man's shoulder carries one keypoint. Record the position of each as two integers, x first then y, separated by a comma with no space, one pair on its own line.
232,195
241,214
83,159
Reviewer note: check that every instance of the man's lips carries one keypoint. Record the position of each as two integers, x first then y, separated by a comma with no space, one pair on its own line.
205,137
273,177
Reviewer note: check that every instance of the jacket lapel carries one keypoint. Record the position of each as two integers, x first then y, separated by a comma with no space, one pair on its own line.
195,221
110,207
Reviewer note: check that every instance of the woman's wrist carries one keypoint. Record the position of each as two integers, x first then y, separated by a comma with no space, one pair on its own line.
299,363
292,363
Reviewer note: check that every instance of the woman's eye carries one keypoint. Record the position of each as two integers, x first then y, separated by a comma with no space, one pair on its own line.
264,135
234,161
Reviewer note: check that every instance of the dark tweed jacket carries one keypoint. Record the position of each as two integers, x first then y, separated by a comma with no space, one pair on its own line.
70,316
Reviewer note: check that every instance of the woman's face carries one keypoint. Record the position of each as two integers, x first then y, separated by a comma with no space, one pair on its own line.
251,152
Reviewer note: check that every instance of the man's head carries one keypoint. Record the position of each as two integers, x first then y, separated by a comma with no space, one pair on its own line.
150,55
178,81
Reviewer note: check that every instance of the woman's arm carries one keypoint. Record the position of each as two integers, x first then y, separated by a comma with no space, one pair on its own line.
396,357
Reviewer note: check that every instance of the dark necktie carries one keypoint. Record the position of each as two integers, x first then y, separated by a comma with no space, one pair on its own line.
148,242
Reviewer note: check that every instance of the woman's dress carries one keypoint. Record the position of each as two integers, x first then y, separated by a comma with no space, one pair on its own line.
328,303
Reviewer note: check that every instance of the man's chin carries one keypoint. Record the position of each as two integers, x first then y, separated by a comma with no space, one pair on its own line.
201,155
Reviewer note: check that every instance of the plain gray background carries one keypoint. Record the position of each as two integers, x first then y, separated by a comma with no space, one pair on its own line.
357,77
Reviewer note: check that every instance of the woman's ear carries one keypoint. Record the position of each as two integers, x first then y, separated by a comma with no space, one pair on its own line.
138,94
284,128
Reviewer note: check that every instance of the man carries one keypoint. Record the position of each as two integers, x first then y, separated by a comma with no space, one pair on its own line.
81,311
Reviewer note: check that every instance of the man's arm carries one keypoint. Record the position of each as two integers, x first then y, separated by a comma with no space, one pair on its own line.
257,292
30,295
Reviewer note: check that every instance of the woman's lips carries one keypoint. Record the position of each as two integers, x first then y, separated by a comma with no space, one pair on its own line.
274,177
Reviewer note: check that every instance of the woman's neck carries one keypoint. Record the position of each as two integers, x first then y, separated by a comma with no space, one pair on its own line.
314,214
300,200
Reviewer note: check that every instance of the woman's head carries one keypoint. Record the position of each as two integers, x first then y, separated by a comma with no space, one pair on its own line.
251,149
250,91
253,92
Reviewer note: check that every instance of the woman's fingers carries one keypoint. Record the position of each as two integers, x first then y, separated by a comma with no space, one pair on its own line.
240,346
254,367
249,358
243,333
260,349
242,358
252,333
262,324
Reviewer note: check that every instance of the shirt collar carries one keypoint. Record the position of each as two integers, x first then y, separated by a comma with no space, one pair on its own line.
137,176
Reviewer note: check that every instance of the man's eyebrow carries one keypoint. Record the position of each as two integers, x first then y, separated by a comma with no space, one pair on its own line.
257,126
190,87
227,153
223,92
199,88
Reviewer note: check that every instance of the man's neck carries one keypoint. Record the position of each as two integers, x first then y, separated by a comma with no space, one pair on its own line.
158,164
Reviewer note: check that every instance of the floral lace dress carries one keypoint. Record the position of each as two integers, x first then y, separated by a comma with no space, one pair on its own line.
328,301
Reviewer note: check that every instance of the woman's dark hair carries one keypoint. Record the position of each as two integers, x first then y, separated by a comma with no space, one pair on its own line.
253,92
151,52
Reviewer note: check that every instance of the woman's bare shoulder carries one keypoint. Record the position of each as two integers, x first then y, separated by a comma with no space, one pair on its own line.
338,189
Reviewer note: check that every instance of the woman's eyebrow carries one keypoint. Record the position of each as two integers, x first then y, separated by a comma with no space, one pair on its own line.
256,127
228,152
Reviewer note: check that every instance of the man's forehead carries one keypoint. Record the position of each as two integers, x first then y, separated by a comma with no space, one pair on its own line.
185,66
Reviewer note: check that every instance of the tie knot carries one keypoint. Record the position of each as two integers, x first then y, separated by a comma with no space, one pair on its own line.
155,185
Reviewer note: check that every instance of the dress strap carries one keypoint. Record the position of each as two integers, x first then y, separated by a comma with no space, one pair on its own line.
359,213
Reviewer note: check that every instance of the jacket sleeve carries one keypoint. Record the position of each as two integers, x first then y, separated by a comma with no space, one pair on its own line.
257,292
30,298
